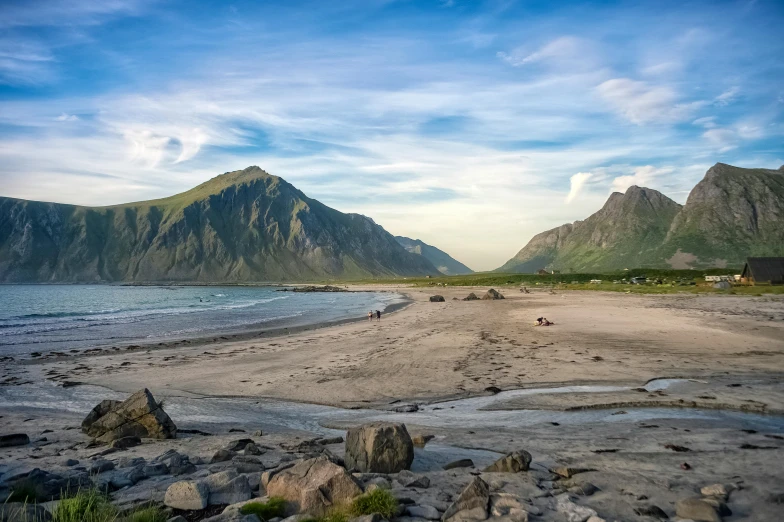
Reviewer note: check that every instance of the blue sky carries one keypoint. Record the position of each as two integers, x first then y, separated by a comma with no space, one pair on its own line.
469,125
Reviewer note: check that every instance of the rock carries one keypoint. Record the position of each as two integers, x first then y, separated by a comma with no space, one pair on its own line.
248,464
139,415
585,489
331,440
717,490
222,455
187,495
776,498
176,463
155,469
508,506
719,505
14,439
101,466
50,486
471,505
573,512
23,512
70,462
101,409
254,480
239,445
462,463
379,447
257,433
696,509
568,472
126,442
437,299
421,440
495,390
406,408
313,485
227,487
375,517
130,462
514,462
410,480
651,511
471,297
491,295
600,519
424,511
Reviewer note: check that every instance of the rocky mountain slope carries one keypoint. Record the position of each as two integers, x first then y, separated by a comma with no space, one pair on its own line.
445,263
731,214
240,226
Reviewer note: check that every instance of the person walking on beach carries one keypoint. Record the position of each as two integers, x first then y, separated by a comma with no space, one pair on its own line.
378,315
370,315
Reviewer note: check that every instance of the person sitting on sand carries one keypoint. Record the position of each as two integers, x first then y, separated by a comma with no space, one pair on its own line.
542,321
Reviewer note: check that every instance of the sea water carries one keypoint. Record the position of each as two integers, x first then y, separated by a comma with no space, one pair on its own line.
41,318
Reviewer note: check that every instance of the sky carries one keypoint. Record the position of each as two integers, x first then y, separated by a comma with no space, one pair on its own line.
469,125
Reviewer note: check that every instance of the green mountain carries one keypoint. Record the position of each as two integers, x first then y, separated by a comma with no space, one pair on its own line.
731,214
240,226
445,263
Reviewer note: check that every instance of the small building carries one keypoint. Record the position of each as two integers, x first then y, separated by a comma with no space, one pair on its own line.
763,270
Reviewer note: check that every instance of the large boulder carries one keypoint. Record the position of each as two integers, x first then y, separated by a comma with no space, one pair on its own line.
138,416
696,509
187,495
313,485
379,447
471,505
471,297
514,462
48,486
227,487
491,295
437,299
14,439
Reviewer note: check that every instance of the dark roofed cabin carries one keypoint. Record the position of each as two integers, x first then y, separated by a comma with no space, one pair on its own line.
765,270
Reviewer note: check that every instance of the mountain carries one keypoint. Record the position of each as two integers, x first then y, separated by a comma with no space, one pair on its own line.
731,214
445,263
241,226
627,230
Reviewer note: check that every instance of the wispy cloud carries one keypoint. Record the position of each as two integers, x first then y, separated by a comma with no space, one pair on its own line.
645,176
727,96
642,103
576,184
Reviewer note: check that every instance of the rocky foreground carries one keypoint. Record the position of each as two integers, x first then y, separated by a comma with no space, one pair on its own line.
132,451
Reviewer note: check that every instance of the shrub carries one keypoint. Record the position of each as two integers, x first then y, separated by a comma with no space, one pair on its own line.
378,501
274,507
88,505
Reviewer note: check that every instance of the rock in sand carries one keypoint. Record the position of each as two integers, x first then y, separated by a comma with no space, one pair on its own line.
514,462
187,495
492,295
696,509
379,447
471,505
14,439
437,299
139,415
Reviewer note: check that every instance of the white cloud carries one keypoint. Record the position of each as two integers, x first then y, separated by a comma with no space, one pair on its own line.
576,183
646,176
67,117
565,47
709,122
642,103
727,96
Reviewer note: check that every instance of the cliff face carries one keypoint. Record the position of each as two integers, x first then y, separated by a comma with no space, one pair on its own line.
241,226
445,263
733,213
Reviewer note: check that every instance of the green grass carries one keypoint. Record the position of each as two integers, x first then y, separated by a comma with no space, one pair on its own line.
378,501
148,514
88,505
274,507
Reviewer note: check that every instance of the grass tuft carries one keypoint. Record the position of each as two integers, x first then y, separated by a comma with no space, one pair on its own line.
274,507
88,505
148,514
24,491
378,501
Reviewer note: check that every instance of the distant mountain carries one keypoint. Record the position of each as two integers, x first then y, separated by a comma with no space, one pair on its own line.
731,214
241,226
445,263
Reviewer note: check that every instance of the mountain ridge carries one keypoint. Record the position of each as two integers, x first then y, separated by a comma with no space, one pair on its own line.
445,263
240,226
730,214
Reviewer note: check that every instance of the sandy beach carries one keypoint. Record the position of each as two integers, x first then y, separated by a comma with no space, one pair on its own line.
605,378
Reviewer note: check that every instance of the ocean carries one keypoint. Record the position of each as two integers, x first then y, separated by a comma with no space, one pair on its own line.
42,318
